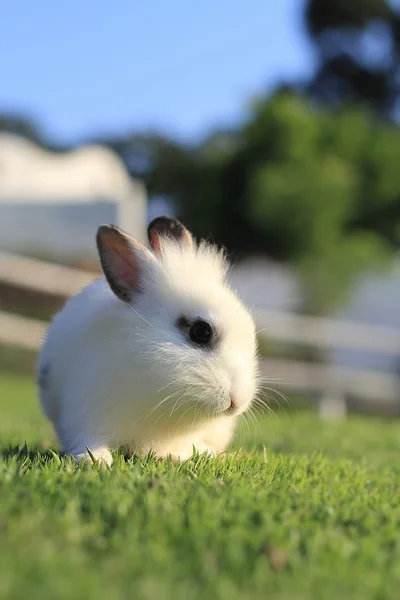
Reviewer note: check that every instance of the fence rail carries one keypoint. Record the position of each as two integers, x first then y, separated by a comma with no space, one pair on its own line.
327,333
21,331
42,277
334,385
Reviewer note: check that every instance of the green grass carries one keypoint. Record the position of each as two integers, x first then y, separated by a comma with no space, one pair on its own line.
311,510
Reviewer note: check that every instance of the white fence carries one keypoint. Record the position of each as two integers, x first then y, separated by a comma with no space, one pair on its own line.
335,387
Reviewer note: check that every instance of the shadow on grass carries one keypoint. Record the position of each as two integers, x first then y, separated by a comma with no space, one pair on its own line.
39,454
35,453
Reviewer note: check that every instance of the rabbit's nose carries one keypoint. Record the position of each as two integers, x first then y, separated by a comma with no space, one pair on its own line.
232,408
234,402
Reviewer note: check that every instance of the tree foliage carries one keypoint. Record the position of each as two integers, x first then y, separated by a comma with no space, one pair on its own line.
311,188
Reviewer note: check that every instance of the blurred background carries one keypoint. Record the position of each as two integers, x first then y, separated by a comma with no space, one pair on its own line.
271,128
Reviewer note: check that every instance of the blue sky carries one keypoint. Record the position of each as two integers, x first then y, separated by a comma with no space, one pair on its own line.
83,68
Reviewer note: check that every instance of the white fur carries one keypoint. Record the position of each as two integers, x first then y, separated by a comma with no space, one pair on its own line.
113,374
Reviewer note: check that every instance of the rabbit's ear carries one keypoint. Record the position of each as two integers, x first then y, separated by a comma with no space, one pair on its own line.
170,228
124,260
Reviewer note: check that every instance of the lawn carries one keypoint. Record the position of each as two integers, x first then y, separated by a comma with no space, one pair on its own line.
310,510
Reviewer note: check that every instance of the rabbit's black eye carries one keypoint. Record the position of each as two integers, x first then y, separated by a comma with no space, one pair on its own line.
201,333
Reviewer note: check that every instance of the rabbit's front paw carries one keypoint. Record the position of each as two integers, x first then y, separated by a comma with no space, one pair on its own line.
199,448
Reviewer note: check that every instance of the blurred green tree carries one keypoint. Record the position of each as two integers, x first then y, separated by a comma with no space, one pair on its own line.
312,188
358,50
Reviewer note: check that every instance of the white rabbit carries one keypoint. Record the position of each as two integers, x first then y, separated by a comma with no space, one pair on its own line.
157,355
